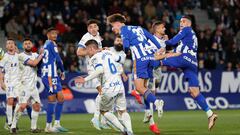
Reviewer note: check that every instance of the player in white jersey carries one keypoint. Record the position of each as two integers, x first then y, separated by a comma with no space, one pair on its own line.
92,27
28,73
9,77
104,64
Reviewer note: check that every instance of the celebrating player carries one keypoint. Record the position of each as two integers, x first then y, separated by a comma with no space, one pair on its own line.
112,94
135,38
10,80
92,27
28,62
50,63
184,56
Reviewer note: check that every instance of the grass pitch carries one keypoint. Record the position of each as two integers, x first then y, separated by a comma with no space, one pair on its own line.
172,123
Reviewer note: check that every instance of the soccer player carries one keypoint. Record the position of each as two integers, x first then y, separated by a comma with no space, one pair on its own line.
184,56
112,93
27,63
92,28
52,81
9,77
136,38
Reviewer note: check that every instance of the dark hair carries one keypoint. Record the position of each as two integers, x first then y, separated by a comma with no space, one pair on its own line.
118,36
187,17
51,29
92,21
156,23
92,42
27,39
116,18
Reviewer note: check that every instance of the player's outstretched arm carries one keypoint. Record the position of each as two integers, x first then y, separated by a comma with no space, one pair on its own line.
91,76
81,52
34,62
176,38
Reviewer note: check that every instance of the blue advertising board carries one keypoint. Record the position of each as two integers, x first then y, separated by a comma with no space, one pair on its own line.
221,89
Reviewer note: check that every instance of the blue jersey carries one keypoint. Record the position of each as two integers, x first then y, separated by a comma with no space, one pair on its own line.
185,40
51,61
136,39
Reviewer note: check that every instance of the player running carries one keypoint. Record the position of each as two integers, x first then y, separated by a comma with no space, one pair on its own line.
184,56
113,92
28,91
92,27
135,38
9,78
51,62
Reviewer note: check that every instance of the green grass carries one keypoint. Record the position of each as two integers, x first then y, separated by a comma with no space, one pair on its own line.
172,123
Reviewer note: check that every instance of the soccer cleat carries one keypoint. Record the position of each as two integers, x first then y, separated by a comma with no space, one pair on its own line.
137,96
147,116
96,123
60,128
154,129
13,131
211,121
51,130
127,133
36,130
159,107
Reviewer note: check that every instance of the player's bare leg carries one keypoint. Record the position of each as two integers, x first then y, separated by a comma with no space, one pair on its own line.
58,112
139,84
212,117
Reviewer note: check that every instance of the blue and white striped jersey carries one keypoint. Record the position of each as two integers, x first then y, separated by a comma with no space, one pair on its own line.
185,40
51,61
136,38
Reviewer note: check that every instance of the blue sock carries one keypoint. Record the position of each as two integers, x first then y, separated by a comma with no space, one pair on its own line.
29,111
147,104
202,102
58,110
50,111
149,96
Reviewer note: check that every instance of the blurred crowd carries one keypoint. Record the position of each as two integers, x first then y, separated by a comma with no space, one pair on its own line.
218,47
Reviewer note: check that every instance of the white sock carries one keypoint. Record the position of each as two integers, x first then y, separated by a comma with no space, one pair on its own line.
103,120
17,115
57,123
151,122
34,119
126,120
97,112
113,119
209,113
48,125
9,111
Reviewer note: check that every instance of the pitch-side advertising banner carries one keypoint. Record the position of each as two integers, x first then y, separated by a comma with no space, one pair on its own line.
221,89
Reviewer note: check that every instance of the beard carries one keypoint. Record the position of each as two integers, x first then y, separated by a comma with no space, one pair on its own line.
28,50
118,47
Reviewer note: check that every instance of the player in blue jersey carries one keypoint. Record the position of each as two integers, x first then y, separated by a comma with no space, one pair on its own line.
135,39
184,56
51,62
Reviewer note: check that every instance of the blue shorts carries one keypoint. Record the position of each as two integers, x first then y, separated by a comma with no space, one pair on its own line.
188,64
56,85
143,67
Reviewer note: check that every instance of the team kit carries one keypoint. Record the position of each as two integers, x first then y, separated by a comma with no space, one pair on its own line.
20,70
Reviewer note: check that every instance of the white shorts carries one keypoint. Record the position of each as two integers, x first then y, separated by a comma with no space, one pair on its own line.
107,102
29,94
12,91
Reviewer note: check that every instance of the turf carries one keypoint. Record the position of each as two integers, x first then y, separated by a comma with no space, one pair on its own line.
172,123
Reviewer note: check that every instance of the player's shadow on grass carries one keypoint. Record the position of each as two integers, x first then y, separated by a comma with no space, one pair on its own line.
177,132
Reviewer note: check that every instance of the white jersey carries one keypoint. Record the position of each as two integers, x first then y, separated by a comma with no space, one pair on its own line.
121,57
10,66
161,41
84,39
28,73
111,80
